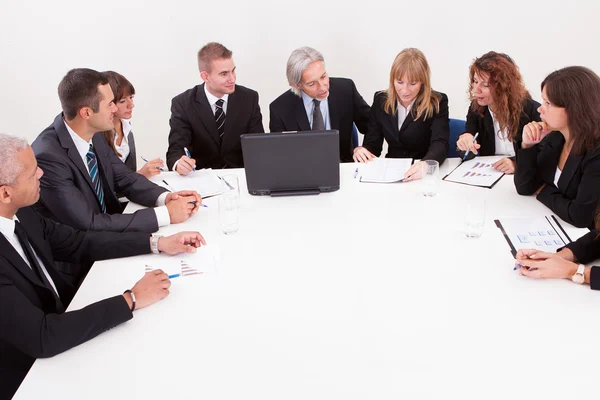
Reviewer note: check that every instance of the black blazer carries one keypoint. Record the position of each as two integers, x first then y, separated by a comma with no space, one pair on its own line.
423,139
67,195
484,124
131,160
578,191
346,106
587,249
30,327
193,126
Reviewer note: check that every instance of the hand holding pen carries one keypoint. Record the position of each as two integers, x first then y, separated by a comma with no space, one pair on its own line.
467,142
186,163
152,167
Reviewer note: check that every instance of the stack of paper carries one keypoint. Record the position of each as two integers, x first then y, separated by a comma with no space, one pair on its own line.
204,181
384,170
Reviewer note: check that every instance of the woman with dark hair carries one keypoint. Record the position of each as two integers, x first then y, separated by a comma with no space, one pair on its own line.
121,139
409,115
500,107
559,159
567,262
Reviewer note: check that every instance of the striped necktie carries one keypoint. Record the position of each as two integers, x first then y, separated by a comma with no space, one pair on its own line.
220,118
94,174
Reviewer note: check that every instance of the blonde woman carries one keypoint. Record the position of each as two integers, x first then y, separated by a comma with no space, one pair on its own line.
409,115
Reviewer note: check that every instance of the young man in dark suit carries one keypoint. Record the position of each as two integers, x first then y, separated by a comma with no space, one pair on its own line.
207,120
318,102
33,296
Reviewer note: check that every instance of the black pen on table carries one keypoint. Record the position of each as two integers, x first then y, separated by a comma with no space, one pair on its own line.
190,202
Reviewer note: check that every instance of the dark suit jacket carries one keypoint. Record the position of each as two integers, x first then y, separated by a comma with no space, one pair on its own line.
425,139
193,126
131,160
484,124
346,106
578,191
67,195
587,249
30,327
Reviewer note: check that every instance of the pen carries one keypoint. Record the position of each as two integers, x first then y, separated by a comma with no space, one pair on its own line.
161,168
194,203
467,152
174,276
169,186
187,153
355,173
227,183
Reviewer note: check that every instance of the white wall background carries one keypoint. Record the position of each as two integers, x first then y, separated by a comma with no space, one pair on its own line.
155,45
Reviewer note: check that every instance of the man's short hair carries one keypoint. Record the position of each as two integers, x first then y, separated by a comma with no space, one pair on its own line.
79,88
299,61
212,51
10,167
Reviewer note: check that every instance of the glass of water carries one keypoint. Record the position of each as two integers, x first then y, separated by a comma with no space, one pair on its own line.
475,217
229,213
430,177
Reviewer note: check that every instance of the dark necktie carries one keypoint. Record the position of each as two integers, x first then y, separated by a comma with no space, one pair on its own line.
35,266
220,118
318,123
95,175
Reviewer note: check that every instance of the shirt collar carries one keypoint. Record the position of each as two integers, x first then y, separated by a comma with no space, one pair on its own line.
7,226
401,107
213,99
82,146
126,124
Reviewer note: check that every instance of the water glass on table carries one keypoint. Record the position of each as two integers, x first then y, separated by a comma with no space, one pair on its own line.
475,217
430,178
229,212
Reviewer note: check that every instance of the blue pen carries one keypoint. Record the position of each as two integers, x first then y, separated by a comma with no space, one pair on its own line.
187,153
467,152
355,173
174,276
161,168
194,203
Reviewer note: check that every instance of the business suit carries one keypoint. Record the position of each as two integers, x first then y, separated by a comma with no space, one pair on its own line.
67,193
346,106
131,160
193,126
484,124
578,191
425,139
31,326
587,249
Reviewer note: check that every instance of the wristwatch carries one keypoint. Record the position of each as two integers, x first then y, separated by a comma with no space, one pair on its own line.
578,277
154,244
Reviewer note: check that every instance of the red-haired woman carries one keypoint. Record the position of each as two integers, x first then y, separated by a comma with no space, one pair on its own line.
500,107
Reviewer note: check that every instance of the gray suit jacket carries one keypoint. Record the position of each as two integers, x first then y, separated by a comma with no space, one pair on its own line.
131,160
67,195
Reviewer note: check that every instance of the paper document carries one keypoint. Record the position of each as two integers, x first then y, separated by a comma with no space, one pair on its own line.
476,172
205,259
204,181
542,233
384,170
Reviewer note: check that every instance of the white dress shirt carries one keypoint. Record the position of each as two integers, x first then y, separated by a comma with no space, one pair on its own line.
504,146
557,176
309,106
403,113
161,211
123,149
7,228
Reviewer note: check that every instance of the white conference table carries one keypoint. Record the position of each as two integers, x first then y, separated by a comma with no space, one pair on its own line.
370,292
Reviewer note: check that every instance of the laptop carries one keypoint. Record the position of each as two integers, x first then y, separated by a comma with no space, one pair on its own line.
292,163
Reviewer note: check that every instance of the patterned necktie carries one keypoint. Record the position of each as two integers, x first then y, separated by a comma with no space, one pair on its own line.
220,118
35,266
95,175
317,123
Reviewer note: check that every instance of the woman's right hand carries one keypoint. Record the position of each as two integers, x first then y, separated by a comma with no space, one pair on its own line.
533,132
362,155
465,142
151,168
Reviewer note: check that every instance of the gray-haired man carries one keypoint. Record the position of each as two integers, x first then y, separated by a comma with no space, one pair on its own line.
317,102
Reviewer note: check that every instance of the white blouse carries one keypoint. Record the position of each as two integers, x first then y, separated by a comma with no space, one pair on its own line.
504,146
124,149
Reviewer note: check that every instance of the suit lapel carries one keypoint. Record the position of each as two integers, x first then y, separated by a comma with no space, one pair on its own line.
233,111
67,143
103,160
132,152
569,170
409,118
301,117
334,116
204,111
9,252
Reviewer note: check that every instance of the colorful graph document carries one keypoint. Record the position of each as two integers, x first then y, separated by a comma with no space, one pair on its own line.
476,172
384,170
542,233
204,260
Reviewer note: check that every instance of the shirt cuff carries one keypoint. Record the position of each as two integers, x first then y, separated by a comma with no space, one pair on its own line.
162,216
175,166
162,199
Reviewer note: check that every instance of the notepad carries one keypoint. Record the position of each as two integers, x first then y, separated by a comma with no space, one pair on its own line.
204,181
542,233
476,172
384,170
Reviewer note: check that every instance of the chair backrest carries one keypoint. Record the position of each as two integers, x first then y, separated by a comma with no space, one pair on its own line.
457,126
354,136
